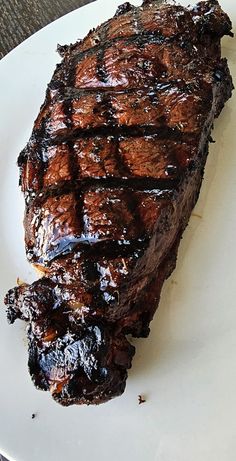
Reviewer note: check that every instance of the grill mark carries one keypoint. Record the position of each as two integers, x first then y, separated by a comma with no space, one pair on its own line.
123,169
68,78
76,93
110,116
67,110
76,185
101,68
121,132
138,184
107,109
162,187
79,197
73,165
144,38
173,164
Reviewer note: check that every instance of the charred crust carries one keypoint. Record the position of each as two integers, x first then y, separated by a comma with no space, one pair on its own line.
124,8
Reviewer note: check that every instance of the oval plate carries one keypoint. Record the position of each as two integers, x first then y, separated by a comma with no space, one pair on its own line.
186,368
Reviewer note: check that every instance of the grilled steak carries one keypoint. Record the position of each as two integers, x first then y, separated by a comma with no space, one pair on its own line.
110,175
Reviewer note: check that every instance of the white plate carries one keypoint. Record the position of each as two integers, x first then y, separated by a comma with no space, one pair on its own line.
186,368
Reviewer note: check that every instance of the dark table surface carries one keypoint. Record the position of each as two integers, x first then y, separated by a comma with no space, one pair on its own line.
21,18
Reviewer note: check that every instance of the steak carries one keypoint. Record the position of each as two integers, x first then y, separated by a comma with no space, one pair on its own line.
110,176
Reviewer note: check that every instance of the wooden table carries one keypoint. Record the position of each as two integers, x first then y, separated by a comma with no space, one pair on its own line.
21,18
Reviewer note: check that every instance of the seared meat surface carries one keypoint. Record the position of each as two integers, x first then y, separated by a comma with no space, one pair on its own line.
110,176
